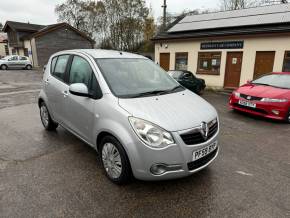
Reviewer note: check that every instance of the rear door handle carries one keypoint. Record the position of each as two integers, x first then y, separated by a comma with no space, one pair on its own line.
65,94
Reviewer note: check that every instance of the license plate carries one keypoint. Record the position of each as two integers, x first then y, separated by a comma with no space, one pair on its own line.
204,151
247,103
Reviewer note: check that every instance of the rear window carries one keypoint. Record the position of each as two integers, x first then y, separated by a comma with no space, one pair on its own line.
23,58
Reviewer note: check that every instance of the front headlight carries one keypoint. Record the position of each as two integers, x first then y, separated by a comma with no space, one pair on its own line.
236,94
151,134
273,100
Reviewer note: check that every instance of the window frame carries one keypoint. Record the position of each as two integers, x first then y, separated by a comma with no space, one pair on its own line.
98,93
64,80
208,72
181,54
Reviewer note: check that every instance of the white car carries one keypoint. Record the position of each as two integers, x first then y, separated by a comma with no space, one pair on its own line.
15,62
142,122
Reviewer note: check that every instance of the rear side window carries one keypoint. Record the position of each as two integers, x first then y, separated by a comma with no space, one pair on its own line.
23,58
52,66
60,67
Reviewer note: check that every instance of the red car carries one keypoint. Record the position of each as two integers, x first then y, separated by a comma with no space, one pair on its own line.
267,96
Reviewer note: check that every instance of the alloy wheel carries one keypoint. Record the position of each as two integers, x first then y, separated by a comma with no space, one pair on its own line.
44,115
112,160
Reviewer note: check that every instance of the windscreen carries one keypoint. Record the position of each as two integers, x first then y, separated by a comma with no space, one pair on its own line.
275,80
130,77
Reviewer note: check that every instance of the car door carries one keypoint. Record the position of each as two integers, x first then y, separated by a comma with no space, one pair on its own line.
12,62
22,61
56,87
80,111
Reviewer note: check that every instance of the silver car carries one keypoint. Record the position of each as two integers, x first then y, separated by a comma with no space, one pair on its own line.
15,62
141,121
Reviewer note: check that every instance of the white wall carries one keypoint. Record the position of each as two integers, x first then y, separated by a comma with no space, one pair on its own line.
279,44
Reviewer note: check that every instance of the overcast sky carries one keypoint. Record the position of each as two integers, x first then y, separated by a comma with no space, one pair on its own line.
42,11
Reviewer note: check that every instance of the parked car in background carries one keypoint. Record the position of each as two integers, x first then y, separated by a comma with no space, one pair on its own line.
15,62
141,121
188,80
267,96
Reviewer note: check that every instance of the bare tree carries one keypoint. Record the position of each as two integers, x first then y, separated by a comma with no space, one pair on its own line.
237,4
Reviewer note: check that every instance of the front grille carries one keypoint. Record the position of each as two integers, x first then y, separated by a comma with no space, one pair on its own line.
251,109
252,98
202,161
197,138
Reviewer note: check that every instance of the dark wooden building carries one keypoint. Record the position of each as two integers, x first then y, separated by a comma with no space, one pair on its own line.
39,42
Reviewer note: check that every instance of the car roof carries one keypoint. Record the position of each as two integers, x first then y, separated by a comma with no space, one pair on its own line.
102,53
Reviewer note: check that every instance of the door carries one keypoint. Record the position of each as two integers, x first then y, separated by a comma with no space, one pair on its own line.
13,62
264,63
233,69
22,61
165,61
80,111
56,87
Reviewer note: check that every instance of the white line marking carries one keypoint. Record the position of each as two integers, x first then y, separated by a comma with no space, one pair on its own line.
244,173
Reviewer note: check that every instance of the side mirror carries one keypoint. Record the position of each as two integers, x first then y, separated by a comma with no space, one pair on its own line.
44,68
79,89
249,81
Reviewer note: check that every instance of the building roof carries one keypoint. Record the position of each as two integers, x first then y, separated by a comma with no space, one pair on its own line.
53,27
40,30
274,18
26,27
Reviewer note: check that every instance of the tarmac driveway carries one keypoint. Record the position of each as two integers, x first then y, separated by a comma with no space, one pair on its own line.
56,175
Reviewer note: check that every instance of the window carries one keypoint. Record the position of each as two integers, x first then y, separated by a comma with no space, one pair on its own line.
60,67
209,63
6,50
286,65
23,58
26,52
53,62
13,58
129,78
181,60
80,71
13,51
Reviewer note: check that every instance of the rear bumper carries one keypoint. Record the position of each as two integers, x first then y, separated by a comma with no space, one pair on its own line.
277,111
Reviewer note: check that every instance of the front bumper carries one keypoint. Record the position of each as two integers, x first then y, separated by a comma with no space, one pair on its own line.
263,109
178,154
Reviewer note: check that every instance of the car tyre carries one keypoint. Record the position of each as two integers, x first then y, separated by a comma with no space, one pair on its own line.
115,160
199,90
45,117
3,67
287,119
28,67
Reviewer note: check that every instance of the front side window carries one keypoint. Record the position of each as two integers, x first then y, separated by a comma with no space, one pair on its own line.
60,67
209,63
181,61
13,58
275,80
286,64
80,71
135,77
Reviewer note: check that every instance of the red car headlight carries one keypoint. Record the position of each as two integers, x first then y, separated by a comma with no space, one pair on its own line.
273,100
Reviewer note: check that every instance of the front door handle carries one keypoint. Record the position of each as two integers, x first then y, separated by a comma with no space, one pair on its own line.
65,94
